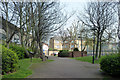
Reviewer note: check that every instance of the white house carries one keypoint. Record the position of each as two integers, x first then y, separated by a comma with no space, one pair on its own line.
45,49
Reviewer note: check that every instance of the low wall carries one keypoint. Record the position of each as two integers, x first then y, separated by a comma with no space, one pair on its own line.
74,54
77,54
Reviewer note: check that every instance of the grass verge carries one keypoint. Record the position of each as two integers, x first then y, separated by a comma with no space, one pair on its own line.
87,59
24,70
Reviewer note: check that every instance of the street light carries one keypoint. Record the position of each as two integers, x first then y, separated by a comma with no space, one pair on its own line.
93,29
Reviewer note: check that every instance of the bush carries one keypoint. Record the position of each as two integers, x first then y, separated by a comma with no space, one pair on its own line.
63,50
75,49
9,60
19,50
63,53
111,64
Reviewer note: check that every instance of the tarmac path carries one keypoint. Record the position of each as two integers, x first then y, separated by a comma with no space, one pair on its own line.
66,68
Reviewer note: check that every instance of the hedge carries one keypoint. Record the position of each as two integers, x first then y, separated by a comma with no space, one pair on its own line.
51,49
63,53
111,64
9,60
75,49
19,50
63,50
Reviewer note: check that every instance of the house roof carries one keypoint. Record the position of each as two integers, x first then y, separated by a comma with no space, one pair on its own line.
11,26
56,38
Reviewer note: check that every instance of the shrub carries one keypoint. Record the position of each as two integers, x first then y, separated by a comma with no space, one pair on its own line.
111,64
19,50
63,50
75,49
51,49
63,53
9,60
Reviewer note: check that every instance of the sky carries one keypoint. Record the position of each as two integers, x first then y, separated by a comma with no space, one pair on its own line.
74,5
70,7
77,6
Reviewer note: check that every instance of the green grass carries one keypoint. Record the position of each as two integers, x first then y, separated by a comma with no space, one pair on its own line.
0,60
0,76
87,59
24,70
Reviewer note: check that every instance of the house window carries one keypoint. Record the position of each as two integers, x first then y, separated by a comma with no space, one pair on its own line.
66,41
57,46
3,36
72,41
72,46
56,41
15,38
65,46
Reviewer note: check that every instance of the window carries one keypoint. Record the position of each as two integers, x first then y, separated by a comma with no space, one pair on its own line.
66,41
57,46
65,46
15,38
72,41
2,36
56,41
62,46
72,46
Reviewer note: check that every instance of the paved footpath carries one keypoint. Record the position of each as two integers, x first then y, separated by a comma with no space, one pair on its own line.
65,68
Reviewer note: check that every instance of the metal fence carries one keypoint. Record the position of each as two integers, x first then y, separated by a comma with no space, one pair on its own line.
106,49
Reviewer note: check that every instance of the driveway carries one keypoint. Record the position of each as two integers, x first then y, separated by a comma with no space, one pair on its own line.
65,68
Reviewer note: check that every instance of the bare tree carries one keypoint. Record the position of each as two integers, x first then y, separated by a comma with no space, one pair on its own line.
19,8
64,36
77,31
6,9
118,6
73,29
50,18
98,15
38,20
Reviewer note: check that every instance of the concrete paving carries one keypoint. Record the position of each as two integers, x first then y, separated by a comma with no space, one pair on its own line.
66,68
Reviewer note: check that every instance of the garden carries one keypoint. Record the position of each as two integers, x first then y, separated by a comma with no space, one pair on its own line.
16,62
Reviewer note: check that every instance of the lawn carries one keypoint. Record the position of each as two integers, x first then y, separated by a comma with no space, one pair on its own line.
0,61
24,71
87,59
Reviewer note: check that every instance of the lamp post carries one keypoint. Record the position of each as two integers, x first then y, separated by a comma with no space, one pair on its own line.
93,29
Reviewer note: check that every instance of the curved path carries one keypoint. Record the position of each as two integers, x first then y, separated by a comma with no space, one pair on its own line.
65,68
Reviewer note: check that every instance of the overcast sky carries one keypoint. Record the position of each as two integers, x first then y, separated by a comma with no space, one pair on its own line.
71,6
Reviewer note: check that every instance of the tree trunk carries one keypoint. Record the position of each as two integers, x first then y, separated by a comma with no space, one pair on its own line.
21,30
97,46
21,36
8,45
42,56
100,49
119,24
7,29
63,44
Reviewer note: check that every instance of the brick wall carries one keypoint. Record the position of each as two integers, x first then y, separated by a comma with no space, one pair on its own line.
77,54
